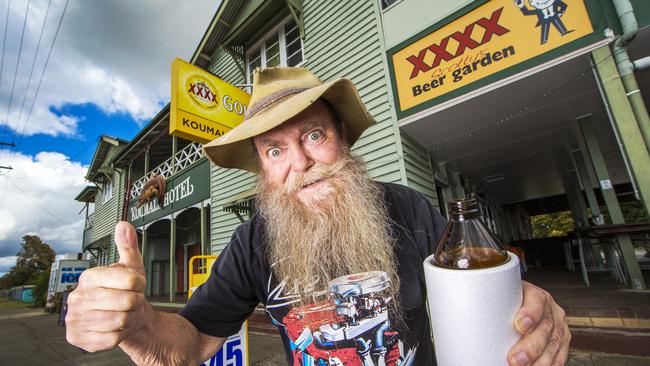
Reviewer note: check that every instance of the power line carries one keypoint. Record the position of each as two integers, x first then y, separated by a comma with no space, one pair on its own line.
20,51
40,80
42,207
91,143
31,72
4,41
38,86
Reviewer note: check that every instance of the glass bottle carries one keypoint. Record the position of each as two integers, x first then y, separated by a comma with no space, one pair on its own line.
466,243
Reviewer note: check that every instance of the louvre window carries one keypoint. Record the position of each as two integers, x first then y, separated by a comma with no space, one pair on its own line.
107,190
282,46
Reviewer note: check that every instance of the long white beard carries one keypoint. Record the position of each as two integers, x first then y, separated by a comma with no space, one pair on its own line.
310,244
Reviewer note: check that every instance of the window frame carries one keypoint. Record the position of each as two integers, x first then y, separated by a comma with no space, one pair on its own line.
260,45
107,193
389,6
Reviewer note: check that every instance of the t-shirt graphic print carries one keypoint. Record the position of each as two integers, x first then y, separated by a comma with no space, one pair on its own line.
349,326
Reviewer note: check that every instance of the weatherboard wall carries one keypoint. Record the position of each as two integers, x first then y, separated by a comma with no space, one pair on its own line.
342,39
225,183
106,213
419,173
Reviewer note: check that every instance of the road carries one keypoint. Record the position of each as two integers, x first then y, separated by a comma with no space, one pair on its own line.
32,337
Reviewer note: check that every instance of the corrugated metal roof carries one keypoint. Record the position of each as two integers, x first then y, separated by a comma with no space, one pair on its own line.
218,28
99,158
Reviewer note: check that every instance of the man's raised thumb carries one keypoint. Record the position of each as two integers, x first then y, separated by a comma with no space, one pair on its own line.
126,241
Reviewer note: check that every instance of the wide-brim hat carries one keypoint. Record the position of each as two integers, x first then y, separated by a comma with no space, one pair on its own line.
280,93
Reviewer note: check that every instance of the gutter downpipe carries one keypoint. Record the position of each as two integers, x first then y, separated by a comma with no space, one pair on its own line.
626,68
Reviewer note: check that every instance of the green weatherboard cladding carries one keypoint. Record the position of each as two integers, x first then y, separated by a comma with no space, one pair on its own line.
106,214
418,168
642,12
183,190
342,39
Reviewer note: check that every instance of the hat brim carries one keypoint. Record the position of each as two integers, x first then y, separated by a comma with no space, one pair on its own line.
235,150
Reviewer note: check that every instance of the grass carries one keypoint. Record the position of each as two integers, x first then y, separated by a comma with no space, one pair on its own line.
8,304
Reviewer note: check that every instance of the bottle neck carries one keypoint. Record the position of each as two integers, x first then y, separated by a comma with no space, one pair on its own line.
464,209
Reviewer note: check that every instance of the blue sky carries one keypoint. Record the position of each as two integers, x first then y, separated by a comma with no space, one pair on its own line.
81,146
108,73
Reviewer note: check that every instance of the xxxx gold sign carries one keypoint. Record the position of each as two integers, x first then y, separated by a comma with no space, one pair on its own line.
492,37
203,107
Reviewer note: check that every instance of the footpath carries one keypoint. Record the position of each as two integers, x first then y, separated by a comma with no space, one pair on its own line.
32,337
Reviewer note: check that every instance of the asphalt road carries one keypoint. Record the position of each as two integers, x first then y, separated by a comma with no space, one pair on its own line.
32,337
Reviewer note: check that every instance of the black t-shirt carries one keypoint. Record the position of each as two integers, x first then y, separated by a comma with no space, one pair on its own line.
360,327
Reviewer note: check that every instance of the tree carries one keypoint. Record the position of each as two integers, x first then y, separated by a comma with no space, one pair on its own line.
32,267
553,224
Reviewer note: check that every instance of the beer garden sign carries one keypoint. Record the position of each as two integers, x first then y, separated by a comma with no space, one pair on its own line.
483,43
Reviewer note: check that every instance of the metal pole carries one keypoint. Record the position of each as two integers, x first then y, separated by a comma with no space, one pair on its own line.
203,229
607,191
172,259
147,290
174,148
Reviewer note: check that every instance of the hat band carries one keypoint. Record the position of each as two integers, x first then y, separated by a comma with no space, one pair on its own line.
270,99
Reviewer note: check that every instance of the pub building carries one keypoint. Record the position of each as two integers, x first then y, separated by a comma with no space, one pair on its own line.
528,110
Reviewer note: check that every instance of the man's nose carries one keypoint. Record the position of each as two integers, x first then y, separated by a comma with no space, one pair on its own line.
300,160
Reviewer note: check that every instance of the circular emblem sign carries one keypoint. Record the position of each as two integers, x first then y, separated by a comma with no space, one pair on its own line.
202,92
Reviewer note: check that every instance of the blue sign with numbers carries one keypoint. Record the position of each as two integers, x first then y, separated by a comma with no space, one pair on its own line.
234,352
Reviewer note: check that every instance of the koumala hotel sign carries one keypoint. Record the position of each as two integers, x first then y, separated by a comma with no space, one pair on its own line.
490,38
185,189
203,107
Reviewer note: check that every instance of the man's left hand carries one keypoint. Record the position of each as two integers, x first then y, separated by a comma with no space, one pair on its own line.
545,333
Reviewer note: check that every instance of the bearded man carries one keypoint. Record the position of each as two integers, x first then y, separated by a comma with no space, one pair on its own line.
335,258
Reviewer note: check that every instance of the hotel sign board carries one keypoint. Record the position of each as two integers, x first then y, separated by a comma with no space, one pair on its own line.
203,107
444,61
184,189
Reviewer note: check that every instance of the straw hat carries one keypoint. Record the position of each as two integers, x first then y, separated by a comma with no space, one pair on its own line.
280,93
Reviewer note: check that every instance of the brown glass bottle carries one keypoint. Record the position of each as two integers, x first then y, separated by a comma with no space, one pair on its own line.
466,243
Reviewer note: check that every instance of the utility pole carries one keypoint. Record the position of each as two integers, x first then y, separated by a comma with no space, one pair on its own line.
11,144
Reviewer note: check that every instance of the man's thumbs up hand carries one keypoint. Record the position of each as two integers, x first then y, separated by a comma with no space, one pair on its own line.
126,242
108,305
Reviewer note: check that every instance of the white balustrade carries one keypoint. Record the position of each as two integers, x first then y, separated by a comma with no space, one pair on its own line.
184,158
89,221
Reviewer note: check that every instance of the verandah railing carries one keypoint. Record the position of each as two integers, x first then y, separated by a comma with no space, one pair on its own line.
183,158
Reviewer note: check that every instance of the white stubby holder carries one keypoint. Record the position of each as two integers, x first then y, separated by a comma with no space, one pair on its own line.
472,312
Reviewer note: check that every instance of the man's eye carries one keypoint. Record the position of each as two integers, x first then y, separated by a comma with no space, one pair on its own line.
273,153
314,136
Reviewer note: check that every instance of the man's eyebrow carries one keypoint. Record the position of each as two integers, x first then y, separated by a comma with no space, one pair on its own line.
269,142
313,124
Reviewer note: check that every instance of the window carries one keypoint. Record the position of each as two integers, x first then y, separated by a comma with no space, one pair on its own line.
282,46
385,4
107,190
102,257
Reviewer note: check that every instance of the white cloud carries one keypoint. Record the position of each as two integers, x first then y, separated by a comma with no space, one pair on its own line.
114,54
38,199
6,263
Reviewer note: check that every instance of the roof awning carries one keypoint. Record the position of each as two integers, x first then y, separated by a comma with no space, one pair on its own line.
87,194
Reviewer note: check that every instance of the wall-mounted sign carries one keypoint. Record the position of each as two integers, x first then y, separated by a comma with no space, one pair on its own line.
492,37
64,274
183,190
203,107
